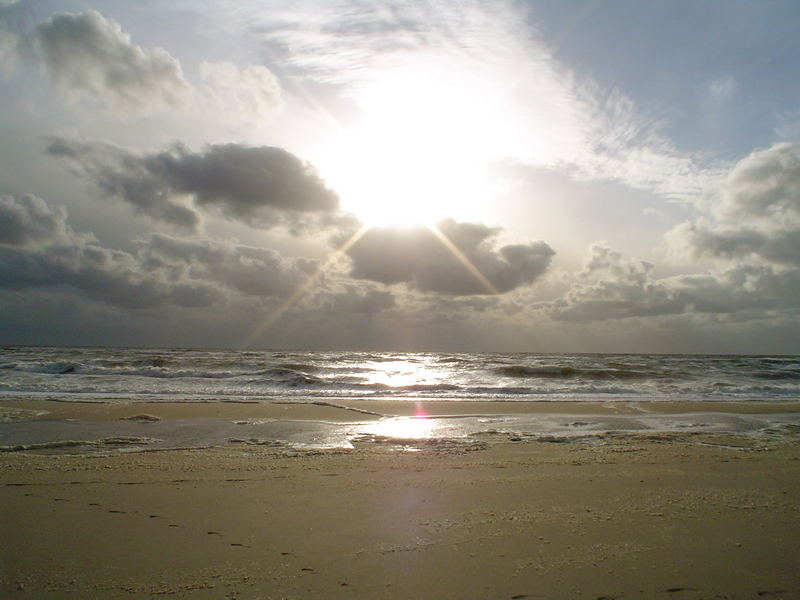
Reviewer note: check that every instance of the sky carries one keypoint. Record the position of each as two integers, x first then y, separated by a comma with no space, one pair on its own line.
543,176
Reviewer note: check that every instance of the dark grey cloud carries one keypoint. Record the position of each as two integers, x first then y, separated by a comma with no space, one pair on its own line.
243,269
45,252
30,220
459,309
109,276
260,186
88,54
122,175
418,258
41,251
355,300
779,247
765,186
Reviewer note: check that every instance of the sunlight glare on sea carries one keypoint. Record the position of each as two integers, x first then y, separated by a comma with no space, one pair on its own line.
400,373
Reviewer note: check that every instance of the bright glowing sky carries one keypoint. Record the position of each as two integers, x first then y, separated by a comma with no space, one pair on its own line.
542,175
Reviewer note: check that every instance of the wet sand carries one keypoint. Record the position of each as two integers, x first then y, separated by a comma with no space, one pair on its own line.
638,516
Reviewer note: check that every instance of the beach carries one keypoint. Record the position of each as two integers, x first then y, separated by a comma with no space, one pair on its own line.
652,514
384,300
440,300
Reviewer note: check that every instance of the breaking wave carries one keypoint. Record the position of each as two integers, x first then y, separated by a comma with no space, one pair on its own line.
567,372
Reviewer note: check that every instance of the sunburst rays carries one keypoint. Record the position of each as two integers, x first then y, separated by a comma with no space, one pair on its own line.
462,258
301,291
305,287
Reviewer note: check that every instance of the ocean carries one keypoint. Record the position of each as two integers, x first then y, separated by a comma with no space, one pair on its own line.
148,376
157,374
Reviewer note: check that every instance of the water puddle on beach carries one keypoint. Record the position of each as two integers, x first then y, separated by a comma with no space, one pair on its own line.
51,435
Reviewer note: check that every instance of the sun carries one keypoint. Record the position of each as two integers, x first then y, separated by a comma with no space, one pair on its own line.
416,156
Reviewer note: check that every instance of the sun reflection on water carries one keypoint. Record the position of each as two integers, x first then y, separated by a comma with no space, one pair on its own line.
417,427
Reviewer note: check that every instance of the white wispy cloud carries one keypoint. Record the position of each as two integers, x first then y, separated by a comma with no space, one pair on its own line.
251,94
480,68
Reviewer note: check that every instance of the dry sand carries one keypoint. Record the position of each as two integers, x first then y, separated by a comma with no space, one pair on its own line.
654,516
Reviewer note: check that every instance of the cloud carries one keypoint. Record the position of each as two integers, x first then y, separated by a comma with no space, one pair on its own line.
40,251
244,269
9,39
88,55
611,286
723,87
765,186
120,174
259,186
450,70
354,300
758,217
253,93
63,258
30,221
422,261
779,247
754,229
463,309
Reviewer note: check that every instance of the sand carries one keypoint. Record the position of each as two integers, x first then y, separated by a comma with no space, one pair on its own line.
647,516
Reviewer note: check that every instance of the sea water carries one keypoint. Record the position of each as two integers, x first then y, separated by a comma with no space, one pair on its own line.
152,375
148,374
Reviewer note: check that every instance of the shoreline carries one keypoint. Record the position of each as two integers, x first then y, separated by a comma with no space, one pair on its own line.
303,407
52,426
